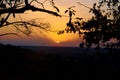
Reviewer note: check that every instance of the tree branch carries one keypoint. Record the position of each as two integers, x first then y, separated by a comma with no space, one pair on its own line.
2,22
10,34
24,22
84,5
23,9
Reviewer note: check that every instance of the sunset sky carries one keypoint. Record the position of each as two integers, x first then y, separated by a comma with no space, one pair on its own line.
43,38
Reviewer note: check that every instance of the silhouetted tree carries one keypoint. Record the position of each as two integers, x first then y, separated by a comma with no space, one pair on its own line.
102,26
72,26
9,8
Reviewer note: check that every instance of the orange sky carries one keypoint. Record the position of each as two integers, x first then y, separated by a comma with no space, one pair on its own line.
57,23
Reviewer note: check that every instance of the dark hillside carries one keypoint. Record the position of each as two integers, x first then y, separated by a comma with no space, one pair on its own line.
17,63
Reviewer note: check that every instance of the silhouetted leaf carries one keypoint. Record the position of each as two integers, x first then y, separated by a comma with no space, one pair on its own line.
66,11
73,13
56,8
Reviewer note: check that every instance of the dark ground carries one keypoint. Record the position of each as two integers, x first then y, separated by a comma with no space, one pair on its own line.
23,64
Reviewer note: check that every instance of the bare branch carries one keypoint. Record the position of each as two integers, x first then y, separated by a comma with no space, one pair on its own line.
10,34
23,22
4,19
19,7
84,5
30,7
40,4
27,25
24,32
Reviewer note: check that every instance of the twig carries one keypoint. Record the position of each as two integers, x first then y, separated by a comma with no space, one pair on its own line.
84,5
25,8
10,34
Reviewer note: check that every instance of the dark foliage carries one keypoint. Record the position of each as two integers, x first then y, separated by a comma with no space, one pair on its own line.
104,25
101,27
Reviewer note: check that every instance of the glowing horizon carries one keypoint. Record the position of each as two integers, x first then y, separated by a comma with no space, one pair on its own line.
57,23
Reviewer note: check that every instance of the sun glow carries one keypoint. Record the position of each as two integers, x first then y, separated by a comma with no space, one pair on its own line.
57,42
42,37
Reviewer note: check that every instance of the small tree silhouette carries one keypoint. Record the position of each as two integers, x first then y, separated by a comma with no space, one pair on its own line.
102,26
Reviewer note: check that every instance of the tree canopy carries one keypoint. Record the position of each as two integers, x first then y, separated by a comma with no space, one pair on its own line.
103,26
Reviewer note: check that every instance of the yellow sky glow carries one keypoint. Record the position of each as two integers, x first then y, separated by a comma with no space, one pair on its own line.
57,23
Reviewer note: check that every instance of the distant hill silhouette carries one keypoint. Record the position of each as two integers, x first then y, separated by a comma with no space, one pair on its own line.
18,63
